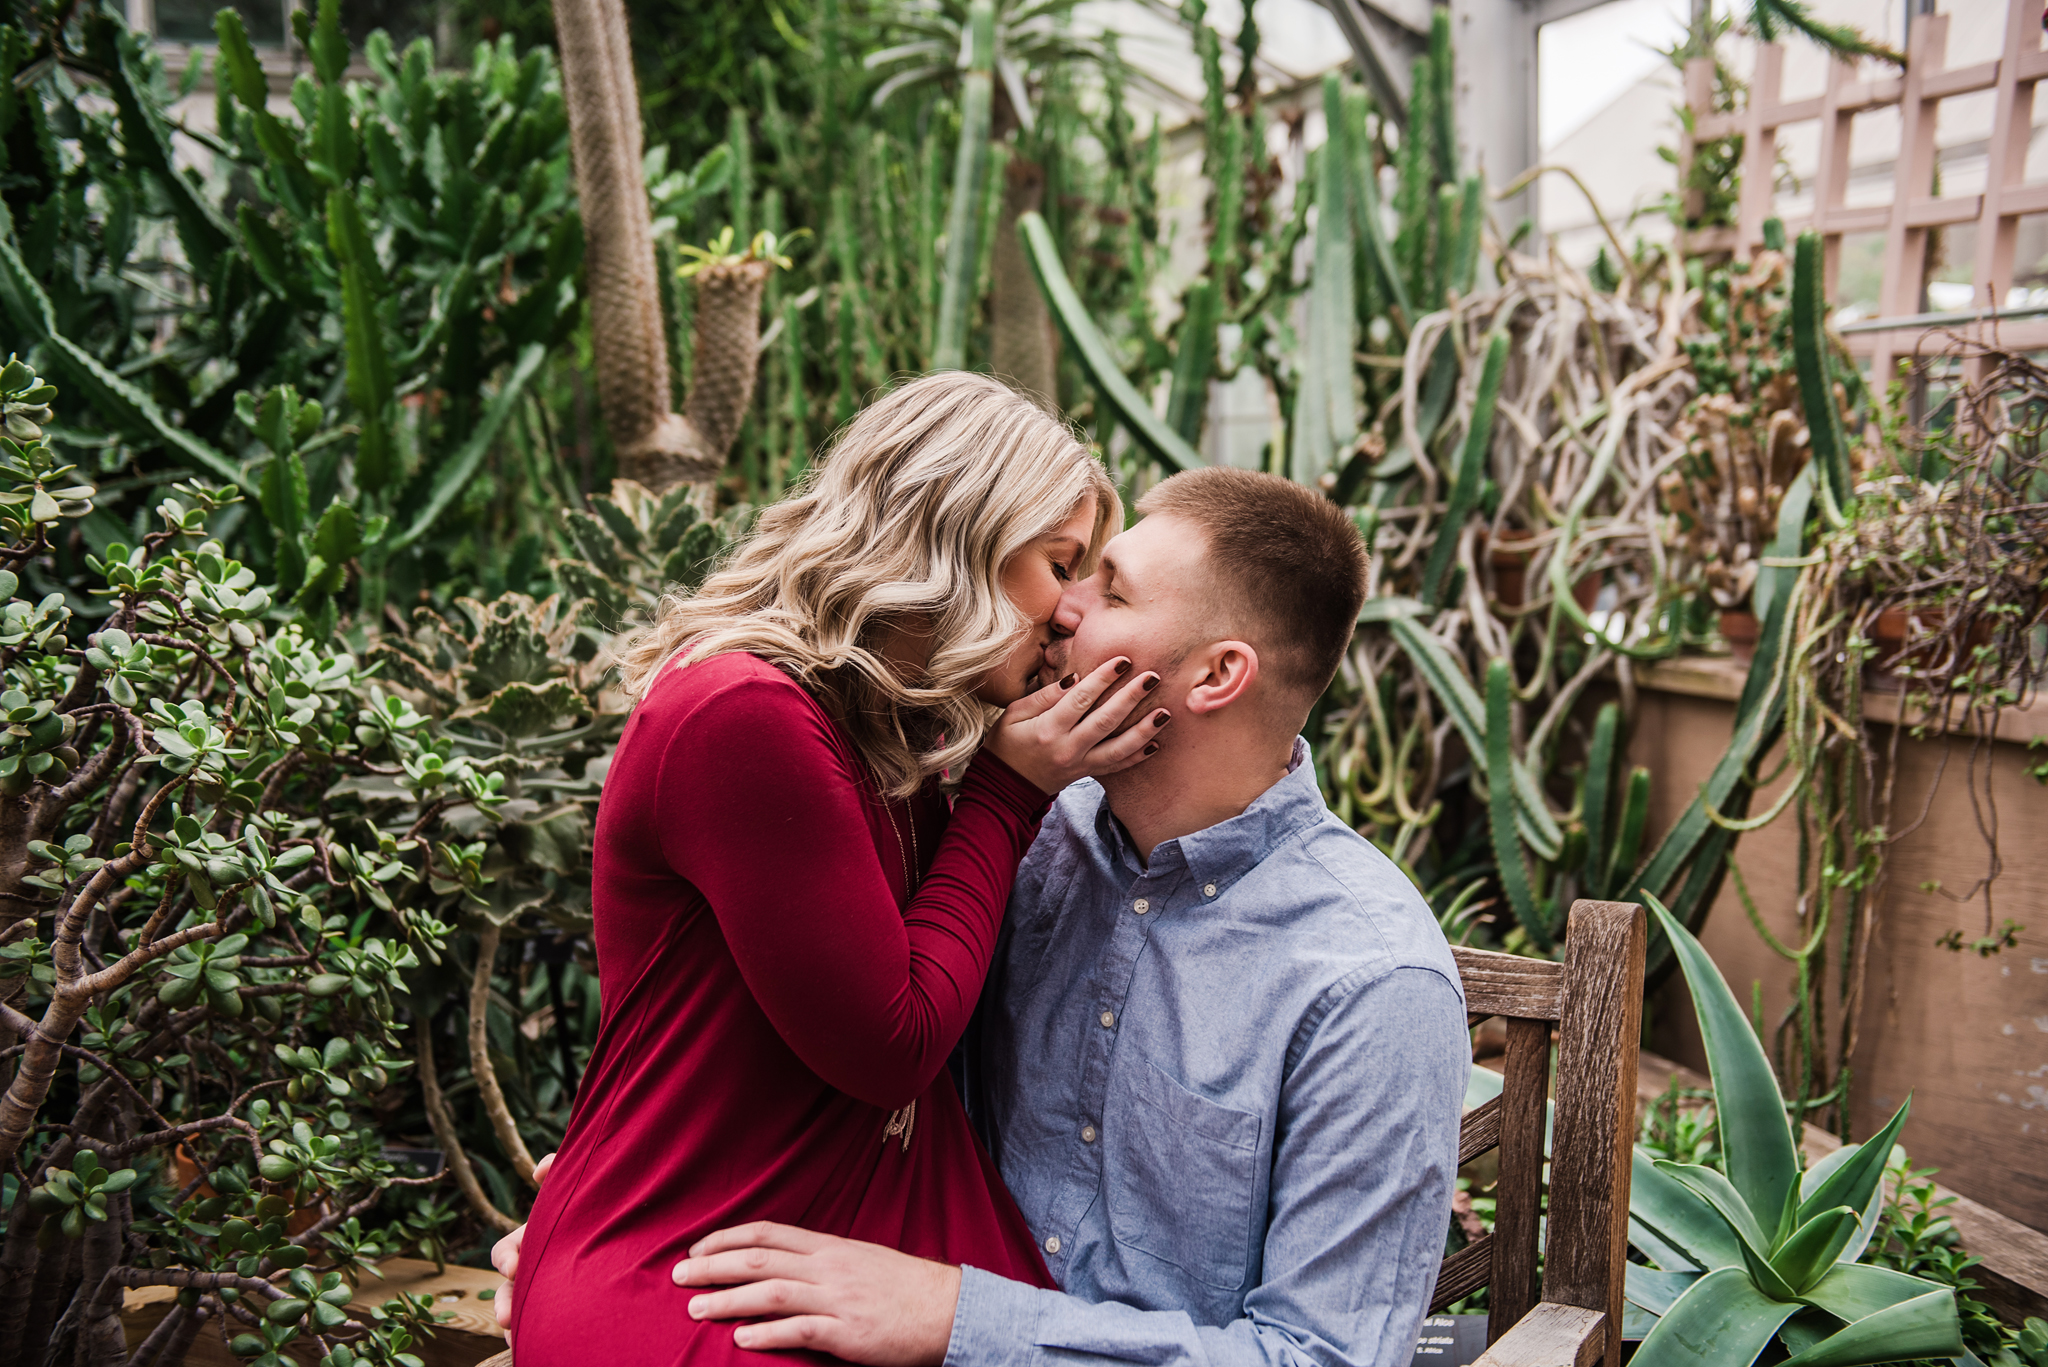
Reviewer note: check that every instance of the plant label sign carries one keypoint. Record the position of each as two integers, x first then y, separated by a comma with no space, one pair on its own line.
1450,1341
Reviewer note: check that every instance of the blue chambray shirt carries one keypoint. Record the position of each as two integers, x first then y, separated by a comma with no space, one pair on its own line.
1225,1090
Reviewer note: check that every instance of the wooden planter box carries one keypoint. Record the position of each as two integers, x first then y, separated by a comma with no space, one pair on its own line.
466,1337
1966,1036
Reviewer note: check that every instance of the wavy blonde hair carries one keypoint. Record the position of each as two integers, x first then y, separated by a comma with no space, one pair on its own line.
907,523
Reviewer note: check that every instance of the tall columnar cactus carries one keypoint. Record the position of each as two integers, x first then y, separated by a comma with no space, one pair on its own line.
656,446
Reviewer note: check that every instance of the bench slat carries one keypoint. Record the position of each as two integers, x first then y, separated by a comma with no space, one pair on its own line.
1509,985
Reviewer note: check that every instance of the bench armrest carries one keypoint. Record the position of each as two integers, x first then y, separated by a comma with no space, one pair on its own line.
1551,1335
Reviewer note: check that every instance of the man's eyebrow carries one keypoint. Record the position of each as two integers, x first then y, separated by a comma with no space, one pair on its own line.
1109,572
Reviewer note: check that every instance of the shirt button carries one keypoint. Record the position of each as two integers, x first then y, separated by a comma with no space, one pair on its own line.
1209,890
1141,906
1108,1019
1087,1134
1052,1243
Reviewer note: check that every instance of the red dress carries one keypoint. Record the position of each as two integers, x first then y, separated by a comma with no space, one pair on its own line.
770,995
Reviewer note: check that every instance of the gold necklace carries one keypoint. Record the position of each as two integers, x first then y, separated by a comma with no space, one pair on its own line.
907,857
902,1122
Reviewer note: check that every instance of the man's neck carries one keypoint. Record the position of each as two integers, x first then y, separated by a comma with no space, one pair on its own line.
1189,788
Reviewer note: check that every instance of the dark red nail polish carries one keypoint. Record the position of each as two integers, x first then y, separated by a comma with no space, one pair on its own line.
1151,683
1162,719
1153,748
1070,681
1123,667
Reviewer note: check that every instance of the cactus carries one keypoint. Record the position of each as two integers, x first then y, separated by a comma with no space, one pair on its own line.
1816,385
655,445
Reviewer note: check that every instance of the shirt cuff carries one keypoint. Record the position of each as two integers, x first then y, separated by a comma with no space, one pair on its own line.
993,1318
1006,787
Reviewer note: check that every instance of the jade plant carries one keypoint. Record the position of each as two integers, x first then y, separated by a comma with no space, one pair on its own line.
1755,1249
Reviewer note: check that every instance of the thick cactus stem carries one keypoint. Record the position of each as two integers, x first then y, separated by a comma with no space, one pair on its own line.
655,445
728,344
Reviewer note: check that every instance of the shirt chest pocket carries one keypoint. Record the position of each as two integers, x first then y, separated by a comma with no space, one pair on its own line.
1182,1177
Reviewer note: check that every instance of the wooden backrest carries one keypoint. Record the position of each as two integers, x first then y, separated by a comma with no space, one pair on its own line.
1594,999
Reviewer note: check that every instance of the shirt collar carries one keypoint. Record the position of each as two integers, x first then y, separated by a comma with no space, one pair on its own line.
1225,852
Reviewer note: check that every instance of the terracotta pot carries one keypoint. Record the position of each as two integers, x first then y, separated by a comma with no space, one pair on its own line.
1739,628
1893,629
1509,558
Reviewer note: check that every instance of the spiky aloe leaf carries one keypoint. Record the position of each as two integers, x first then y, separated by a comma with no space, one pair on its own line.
1854,1291
114,398
1811,1252
1727,1202
1722,1321
1924,1327
1656,1291
1762,1164
1677,1215
460,468
1856,1177
1500,803
1471,473
1159,441
1873,1206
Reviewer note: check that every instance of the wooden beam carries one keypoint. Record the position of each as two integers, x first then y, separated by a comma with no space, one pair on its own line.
1593,1132
1510,985
1552,1336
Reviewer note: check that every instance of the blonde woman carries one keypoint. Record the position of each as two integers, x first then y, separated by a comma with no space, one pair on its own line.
792,927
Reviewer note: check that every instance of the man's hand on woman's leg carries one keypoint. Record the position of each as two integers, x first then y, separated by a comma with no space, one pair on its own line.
505,1257
862,1302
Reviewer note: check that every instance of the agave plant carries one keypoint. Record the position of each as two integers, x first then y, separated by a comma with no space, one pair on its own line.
1760,1250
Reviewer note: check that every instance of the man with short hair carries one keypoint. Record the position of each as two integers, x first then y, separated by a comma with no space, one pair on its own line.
1223,1044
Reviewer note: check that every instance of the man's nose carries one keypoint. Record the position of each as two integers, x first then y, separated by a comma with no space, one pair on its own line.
1066,616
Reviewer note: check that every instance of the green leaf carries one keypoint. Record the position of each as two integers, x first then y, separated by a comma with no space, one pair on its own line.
1471,473
1762,1164
337,538
1159,441
111,397
1680,1216
1717,1191
1723,1321
1656,1291
1325,408
1500,802
1856,1171
456,472
1811,1251
201,230
1855,1290
1924,1327
329,48
1816,386
1593,809
1188,399
970,181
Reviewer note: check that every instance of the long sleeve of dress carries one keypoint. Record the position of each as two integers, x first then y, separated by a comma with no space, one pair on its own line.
871,997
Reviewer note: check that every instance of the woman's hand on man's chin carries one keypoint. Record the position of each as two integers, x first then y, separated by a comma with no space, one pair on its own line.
1075,728
862,1302
505,1257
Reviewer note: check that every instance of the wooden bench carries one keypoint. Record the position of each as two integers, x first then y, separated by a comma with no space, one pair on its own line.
1570,1316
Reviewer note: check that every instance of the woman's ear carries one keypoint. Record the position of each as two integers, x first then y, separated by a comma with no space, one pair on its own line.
1232,667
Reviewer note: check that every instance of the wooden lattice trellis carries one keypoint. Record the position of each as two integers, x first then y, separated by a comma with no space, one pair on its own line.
1914,210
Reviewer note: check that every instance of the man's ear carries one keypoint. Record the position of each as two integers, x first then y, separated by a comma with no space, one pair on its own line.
1230,670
